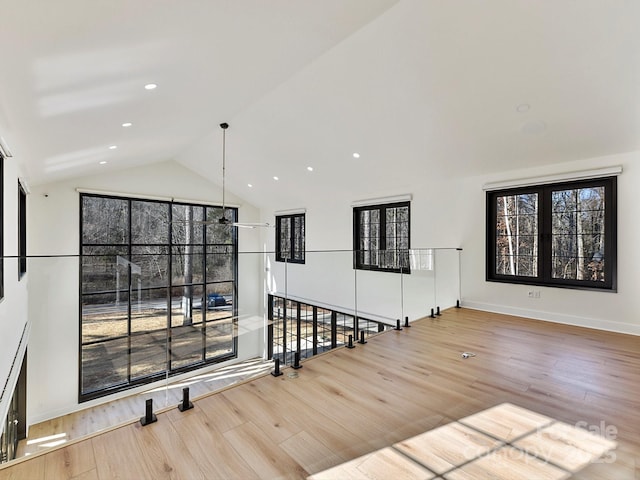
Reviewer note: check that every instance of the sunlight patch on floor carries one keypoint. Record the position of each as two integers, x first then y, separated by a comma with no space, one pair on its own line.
502,442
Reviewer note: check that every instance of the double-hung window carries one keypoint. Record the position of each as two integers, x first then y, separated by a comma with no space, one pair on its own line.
561,234
381,237
290,244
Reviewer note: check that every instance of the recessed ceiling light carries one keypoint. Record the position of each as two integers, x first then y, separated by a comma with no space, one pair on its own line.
127,124
523,107
113,147
103,162
249,185
276,178
356,155
150,86
310,169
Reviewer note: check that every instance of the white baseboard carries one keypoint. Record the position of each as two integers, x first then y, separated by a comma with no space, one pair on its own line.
595,323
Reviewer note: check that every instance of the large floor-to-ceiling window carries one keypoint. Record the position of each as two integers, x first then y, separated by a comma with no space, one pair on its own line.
158,290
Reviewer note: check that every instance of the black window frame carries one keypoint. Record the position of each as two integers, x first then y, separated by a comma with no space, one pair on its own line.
544,275
1,226
22,231
297,255
358,263
131,381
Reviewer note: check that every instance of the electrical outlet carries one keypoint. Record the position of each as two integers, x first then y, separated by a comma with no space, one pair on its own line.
530,294
536,294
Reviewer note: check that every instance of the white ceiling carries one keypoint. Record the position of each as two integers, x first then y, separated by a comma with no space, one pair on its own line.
72,71
415,86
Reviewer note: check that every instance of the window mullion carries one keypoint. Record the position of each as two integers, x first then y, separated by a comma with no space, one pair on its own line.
545,251
610,229
167,344
129,251
203,295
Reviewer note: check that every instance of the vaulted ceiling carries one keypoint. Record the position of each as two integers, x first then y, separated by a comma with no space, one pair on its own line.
415,87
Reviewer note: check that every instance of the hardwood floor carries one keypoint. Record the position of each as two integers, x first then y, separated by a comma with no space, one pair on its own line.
348,403
89,421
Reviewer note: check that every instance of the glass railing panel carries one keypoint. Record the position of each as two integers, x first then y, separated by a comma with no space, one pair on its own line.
419,284
323,335
250,304
345,329
447,277
130,335
326,278
324,283
106,324
307,331
382,286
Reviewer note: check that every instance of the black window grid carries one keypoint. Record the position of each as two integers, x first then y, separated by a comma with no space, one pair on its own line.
171,350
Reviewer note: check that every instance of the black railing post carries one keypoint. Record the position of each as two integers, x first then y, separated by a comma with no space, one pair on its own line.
350,344
406,322
398,327
186,404
276,372
362,341
296,361
149,416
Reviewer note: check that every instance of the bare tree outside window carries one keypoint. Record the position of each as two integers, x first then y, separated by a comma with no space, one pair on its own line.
558,234
290,238
381,237
578,229
157,293
517,235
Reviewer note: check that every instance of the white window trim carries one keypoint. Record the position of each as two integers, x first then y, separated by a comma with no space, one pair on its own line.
559,177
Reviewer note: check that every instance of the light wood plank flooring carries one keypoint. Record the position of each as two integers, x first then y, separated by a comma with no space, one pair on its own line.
501,443
88,421
349,403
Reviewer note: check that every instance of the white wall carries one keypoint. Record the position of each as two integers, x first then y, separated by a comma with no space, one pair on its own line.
328,277
449,211
13,307
53,229
597,309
